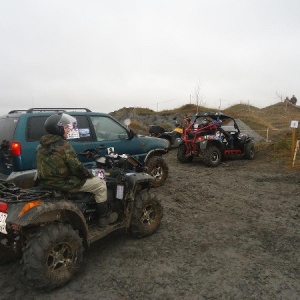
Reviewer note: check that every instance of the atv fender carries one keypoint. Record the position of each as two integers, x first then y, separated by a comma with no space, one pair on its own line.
203,145
136,179
47,212
155,152
180,141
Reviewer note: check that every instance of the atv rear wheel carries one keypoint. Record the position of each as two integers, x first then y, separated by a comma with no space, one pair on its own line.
158,168
146,215
181,155
52,256
212,156
249,151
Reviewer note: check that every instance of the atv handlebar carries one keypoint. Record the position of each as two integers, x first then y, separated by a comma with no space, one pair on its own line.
113,160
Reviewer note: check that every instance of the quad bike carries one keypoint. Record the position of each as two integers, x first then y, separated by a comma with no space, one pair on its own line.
210,137
173,137
49,230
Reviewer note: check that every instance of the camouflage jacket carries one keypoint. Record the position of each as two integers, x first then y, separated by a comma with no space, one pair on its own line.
58,165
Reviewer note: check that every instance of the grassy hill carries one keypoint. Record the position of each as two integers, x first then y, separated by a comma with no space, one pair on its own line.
276,118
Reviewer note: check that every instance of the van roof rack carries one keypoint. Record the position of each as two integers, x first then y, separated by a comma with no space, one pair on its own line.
47,109
17,111
59,109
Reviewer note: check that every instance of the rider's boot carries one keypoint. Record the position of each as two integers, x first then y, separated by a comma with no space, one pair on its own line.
105,215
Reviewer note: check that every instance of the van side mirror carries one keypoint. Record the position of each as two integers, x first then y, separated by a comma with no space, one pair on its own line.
131,134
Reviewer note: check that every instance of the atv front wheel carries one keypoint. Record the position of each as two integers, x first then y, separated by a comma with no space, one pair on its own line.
158,168
52,256
146,215
212,156
181,155
249,151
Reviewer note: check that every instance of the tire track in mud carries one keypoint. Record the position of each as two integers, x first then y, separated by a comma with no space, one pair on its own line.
230,232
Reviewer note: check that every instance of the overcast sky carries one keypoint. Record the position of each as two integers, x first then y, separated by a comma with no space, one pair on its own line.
159,54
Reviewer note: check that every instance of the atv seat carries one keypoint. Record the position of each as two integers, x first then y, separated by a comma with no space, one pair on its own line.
79,196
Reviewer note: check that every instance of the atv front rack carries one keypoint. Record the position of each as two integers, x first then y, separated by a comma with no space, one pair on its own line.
9,192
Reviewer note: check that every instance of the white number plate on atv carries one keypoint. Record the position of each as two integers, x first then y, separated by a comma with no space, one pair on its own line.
3,217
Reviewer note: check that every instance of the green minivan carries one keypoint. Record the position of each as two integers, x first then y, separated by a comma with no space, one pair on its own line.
21,130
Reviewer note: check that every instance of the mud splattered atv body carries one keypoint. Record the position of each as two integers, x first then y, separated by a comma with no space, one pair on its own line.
49,230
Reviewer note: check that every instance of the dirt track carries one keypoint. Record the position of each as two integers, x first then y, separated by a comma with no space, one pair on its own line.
230,232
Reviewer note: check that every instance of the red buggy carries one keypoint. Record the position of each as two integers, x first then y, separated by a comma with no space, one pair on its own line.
213,136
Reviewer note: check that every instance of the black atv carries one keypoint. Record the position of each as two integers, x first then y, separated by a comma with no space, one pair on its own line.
49,230
214,136
172,137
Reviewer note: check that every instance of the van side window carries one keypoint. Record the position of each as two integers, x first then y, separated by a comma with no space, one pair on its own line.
107,129
8,126
35,128
84,129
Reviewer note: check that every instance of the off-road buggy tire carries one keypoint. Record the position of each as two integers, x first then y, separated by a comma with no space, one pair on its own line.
52,256
7,255
181,157
158,168
146,215
249,151
212,156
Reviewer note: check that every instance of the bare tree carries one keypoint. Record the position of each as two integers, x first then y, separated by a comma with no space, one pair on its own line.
279,96
198,99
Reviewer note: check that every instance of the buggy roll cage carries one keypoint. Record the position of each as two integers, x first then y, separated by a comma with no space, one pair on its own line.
216,116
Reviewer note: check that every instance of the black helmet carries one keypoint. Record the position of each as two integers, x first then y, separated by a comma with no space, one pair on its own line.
55,123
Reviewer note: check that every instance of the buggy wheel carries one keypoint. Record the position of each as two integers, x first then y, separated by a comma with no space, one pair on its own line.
181,155
249,151
52,256
212,156
7,254
158,168
146,215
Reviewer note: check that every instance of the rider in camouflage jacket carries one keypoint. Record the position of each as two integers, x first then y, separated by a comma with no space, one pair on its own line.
59,168
58,165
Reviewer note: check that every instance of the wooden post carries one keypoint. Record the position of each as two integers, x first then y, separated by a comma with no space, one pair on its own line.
293,144
294,127
295,152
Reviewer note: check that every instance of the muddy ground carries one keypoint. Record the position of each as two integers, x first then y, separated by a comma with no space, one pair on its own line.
230,232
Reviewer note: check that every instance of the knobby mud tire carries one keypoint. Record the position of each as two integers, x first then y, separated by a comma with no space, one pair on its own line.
146,215
249,151
212,156
158,168
181,155
52,256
